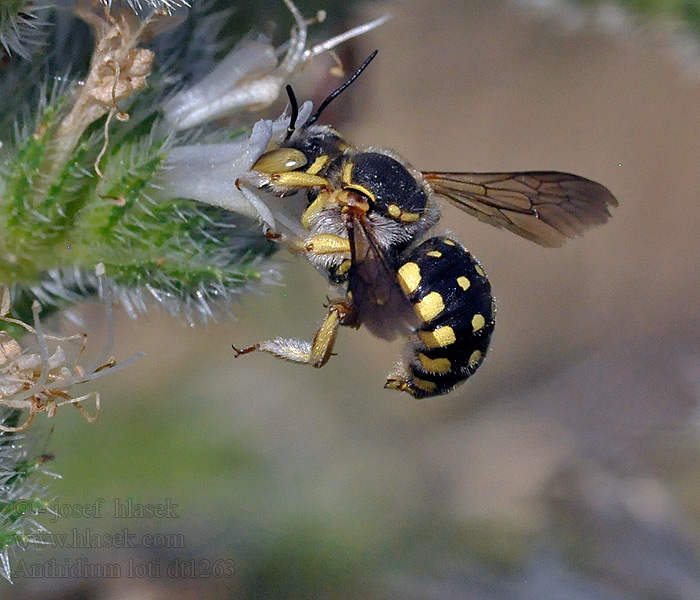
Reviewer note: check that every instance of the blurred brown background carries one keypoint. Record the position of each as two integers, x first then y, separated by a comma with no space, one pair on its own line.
567,468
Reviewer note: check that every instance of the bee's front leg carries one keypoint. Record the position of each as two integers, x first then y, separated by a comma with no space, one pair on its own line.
279,184
316,353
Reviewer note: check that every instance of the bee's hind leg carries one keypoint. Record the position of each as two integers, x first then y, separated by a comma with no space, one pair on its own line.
316,353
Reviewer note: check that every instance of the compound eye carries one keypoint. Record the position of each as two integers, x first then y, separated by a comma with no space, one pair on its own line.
281,160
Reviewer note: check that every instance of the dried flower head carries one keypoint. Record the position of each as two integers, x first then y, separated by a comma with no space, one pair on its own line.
42,381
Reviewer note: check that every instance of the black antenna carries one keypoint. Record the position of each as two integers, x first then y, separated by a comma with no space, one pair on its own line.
295,112
313,118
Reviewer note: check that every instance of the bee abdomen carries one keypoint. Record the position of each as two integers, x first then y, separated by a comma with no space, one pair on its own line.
452,298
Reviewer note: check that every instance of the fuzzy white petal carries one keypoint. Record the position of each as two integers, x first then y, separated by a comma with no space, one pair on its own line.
250,77
208,172
221,92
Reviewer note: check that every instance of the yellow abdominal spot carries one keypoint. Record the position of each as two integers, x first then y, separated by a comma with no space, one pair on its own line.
474,359
435,253
478,322
430,306
441,337
434,365
409,277
449,242
426,386
463,282
479,270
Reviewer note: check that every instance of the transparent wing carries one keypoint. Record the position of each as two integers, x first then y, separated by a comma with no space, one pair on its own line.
376,295
546,207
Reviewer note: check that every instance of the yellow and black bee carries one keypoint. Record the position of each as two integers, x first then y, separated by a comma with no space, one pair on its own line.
367,209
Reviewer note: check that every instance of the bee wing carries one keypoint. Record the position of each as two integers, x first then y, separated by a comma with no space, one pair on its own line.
376,294
545,207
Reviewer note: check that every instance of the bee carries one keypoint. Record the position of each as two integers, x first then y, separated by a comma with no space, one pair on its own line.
367,211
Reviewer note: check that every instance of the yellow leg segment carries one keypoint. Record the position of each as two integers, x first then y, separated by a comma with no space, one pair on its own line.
324,340
327,243
297,179
314,353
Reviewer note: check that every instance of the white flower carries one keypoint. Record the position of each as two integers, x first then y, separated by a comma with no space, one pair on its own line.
41,381
208,172
250,77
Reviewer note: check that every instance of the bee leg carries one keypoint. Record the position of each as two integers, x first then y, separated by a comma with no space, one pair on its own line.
279,183
324,243
272,236
294,180
337,250
327,243
261,210
283,184
314,353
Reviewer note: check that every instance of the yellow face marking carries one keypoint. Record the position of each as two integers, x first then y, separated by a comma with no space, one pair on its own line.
318,164
346,175
449,242
479,270
435,253
478,322
463,282
441,337
409,277
426,386
409,217
394,211
430,306
474,359
434,365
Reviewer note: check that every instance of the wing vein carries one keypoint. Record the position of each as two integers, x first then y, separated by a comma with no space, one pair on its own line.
546,207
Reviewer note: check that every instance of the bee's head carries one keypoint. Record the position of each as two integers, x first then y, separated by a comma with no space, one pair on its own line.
311,146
